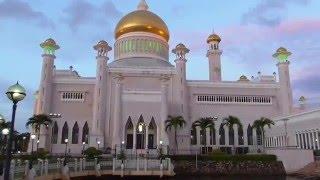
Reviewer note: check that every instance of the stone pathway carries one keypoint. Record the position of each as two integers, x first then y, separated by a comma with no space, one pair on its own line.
310,171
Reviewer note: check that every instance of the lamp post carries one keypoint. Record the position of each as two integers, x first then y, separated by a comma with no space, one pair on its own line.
33,137
65,152
5,132
83,146
98,142
15,93
38,141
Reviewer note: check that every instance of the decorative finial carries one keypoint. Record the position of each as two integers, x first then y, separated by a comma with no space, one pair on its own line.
282,55
181,50
143,5
49,46
103,48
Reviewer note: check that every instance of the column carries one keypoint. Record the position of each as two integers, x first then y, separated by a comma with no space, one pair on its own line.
198,136
147,136
208,137
226,135
217,136
164,108
117,132
298,140
303,137
254,136
236,135
134,138
245,135
309,140
313,140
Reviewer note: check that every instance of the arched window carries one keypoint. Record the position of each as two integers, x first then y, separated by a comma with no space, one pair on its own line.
222,135
212,136
75,133
240,136
231,136
193,136
249,135
140,135
129,134
65,132
54,136
85,133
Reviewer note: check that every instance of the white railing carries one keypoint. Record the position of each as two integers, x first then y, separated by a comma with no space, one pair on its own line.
80,166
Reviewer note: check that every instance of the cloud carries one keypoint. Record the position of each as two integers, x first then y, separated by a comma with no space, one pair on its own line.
81,12
269,12
22,11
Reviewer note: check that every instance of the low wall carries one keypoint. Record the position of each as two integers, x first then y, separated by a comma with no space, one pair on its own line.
293,159
223,168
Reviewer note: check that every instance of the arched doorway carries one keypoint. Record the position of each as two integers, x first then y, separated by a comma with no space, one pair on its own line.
152,134
222,135
141,132
249,135
129,134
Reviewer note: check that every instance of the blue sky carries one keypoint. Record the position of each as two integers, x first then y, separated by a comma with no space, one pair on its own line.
251,31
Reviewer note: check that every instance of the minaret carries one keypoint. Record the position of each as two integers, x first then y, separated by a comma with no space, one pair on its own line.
49,47
284,80
100,94
181,87
214,54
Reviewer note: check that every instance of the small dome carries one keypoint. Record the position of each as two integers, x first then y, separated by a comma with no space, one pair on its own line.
49,43
281,51
102,45
243,78
142,20
180,47
302,99
213,37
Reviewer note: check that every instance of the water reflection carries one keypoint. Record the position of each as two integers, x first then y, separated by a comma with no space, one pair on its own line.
195,178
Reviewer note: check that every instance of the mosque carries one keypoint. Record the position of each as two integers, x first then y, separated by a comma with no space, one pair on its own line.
131,96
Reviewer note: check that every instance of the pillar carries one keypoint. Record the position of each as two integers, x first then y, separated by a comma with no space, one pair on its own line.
208,137
245,135
117,115
164,109
254,137
236,135
198,136
217,136
226,135
317,135
147,137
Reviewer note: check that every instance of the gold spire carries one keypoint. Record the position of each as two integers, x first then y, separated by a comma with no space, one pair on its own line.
143,5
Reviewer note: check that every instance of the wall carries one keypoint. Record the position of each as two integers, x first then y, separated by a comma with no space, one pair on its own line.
292,159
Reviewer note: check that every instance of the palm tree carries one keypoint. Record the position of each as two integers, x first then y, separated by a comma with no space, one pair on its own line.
175,122
259,124
204,123
36,121
230,121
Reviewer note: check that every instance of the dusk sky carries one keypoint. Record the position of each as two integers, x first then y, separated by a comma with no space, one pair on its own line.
251,31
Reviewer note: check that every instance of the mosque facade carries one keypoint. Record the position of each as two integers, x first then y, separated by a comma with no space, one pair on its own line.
132,95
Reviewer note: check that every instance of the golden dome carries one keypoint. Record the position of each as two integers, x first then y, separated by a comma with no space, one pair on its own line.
213,37
142,21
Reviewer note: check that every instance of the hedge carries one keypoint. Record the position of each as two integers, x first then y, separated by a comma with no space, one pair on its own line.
224,157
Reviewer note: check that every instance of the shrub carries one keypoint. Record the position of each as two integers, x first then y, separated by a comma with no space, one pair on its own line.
217,152
225,157
122,156
92,153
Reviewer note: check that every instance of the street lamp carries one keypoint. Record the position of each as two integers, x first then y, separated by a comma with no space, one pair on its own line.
15,93
38,141
83,146
66,142
33,137
98,144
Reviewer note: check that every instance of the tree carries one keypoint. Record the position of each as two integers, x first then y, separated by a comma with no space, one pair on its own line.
36,121
175,122
230,121
204,123
259,124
